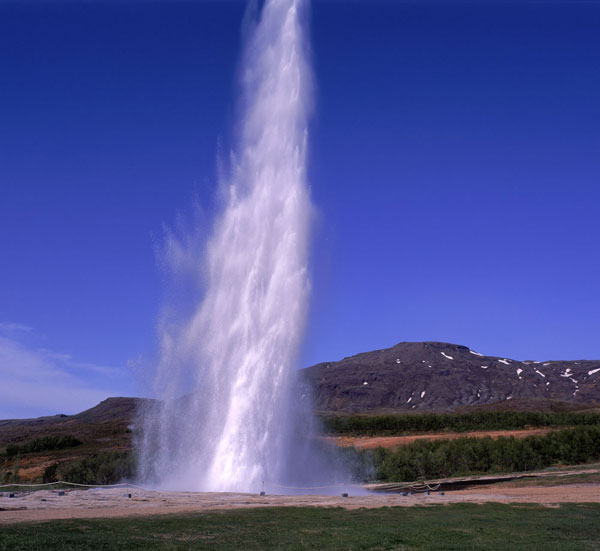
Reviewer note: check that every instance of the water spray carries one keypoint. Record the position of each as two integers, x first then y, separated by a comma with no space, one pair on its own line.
236,355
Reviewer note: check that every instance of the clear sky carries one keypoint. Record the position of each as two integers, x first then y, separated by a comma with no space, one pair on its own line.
455,166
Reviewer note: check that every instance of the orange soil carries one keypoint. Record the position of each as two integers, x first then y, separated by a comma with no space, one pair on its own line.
370,442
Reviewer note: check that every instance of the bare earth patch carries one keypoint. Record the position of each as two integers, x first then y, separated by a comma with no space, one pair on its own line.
103,503
371,442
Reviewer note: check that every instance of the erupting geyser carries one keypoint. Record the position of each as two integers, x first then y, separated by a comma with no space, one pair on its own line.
226,373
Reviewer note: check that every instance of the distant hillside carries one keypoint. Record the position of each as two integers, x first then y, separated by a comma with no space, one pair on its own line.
409,377
28,447
108,420
435,376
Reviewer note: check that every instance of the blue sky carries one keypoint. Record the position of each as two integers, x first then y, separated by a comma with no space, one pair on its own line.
455,163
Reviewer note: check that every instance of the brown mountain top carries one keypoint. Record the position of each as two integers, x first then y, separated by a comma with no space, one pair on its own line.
436,376
108,422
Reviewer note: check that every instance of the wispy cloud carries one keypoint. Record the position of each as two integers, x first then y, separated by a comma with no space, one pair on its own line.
39,381
12,327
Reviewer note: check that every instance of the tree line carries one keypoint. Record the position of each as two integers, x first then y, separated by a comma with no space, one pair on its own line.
42,444
398,424
430,459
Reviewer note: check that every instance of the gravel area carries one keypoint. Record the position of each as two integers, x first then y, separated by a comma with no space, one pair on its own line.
46,505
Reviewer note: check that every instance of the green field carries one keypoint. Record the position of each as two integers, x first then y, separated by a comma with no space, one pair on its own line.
463,526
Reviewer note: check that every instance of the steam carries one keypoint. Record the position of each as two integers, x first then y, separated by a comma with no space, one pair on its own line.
229,418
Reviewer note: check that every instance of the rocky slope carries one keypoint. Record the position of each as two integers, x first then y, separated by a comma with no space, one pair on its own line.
435,376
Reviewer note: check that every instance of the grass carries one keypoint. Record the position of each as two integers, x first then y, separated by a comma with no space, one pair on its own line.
460,526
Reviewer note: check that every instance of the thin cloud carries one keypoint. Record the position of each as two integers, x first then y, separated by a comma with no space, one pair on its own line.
12,327
39,381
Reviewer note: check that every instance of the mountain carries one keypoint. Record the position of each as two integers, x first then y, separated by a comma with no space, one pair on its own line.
28,447
106,425
436,376
408,377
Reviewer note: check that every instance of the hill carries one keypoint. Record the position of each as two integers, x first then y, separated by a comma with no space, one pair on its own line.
425,377
435,376
30,446
106,423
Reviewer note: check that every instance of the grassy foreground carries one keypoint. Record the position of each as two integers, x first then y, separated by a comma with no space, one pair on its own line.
461,526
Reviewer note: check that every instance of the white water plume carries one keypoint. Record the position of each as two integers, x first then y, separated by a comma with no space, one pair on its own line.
234,358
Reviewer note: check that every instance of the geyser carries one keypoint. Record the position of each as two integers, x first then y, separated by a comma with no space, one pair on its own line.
226,374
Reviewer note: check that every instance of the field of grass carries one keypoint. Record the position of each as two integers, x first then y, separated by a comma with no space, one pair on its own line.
464,526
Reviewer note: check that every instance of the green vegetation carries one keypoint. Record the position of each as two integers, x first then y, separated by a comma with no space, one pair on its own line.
50,473
43,444
458,422
427,459
105,468
12,477
453,527
423,459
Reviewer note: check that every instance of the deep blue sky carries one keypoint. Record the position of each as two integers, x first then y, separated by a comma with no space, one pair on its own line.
455,165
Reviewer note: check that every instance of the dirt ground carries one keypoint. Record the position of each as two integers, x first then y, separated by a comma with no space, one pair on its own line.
103,503
370,442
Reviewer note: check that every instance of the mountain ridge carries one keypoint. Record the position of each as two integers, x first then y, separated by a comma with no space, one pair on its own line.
339,386
437,376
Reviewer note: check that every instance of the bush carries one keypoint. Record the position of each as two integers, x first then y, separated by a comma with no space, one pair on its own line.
431,422
50,474
106,468
463,456
42,444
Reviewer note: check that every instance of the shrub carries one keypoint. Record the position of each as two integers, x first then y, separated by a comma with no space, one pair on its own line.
462,456
459,422
44,443
50,473
106,468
